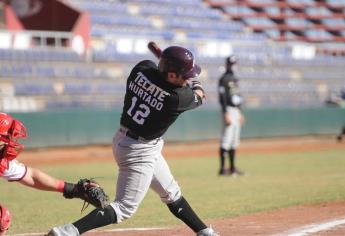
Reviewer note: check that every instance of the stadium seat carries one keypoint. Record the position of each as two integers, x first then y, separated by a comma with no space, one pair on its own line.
285,49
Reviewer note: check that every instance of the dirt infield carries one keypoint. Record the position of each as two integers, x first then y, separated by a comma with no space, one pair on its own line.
181,150
280,222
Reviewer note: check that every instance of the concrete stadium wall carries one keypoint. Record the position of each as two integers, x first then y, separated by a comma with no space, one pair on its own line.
81,127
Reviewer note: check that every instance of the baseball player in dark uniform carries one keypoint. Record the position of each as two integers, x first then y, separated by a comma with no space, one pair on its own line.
155,97
230,101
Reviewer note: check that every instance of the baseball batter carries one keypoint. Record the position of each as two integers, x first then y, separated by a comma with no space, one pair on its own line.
11,130
155,97
230,101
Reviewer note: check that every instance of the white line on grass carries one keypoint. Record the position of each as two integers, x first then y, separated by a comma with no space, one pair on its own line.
313,228
107,230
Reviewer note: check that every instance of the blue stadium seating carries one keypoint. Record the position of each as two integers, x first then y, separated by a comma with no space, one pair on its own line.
30,88
268,71
39,54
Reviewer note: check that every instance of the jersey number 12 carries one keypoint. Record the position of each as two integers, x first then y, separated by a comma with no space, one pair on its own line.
140,112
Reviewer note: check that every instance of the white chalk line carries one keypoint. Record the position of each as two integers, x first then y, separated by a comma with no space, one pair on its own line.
107,230
313,228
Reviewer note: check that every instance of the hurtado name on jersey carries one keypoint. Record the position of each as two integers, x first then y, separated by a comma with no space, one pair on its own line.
147,91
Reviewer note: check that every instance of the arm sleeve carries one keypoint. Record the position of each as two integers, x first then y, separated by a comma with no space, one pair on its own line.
186,99
222,96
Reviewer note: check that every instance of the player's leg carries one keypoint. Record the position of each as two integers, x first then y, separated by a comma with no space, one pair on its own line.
95,219
170,193
340,136
225,146
222,153
136,161
232,151
136,167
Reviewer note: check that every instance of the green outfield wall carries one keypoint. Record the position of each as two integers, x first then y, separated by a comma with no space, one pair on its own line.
82,127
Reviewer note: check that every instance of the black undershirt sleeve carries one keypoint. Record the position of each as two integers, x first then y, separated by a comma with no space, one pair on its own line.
187,99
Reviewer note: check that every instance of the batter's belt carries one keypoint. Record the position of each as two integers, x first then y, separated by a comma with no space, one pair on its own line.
131,134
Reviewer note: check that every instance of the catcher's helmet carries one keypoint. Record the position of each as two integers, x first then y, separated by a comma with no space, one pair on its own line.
179,60
10,131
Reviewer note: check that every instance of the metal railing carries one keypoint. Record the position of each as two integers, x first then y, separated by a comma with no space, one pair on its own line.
32,38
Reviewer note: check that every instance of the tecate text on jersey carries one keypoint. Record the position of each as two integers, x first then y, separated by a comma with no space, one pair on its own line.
148,92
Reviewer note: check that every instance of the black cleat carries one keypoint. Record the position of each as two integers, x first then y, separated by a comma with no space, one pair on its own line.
223,172
339,138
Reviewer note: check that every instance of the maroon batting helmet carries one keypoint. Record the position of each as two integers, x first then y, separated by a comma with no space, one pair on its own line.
179,60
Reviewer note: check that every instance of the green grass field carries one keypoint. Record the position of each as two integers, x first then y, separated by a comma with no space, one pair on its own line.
273,181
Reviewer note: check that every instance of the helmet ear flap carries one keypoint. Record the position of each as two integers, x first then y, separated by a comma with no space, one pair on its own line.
171,74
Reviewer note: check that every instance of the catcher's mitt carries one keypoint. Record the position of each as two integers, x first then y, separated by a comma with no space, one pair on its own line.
89,191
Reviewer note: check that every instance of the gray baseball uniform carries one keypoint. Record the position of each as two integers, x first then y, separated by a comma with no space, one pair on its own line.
155,97
137,144
230,100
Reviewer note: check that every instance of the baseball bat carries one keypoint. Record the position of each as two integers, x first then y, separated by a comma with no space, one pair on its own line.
155,49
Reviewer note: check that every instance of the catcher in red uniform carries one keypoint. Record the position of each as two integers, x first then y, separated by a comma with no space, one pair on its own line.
11,130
